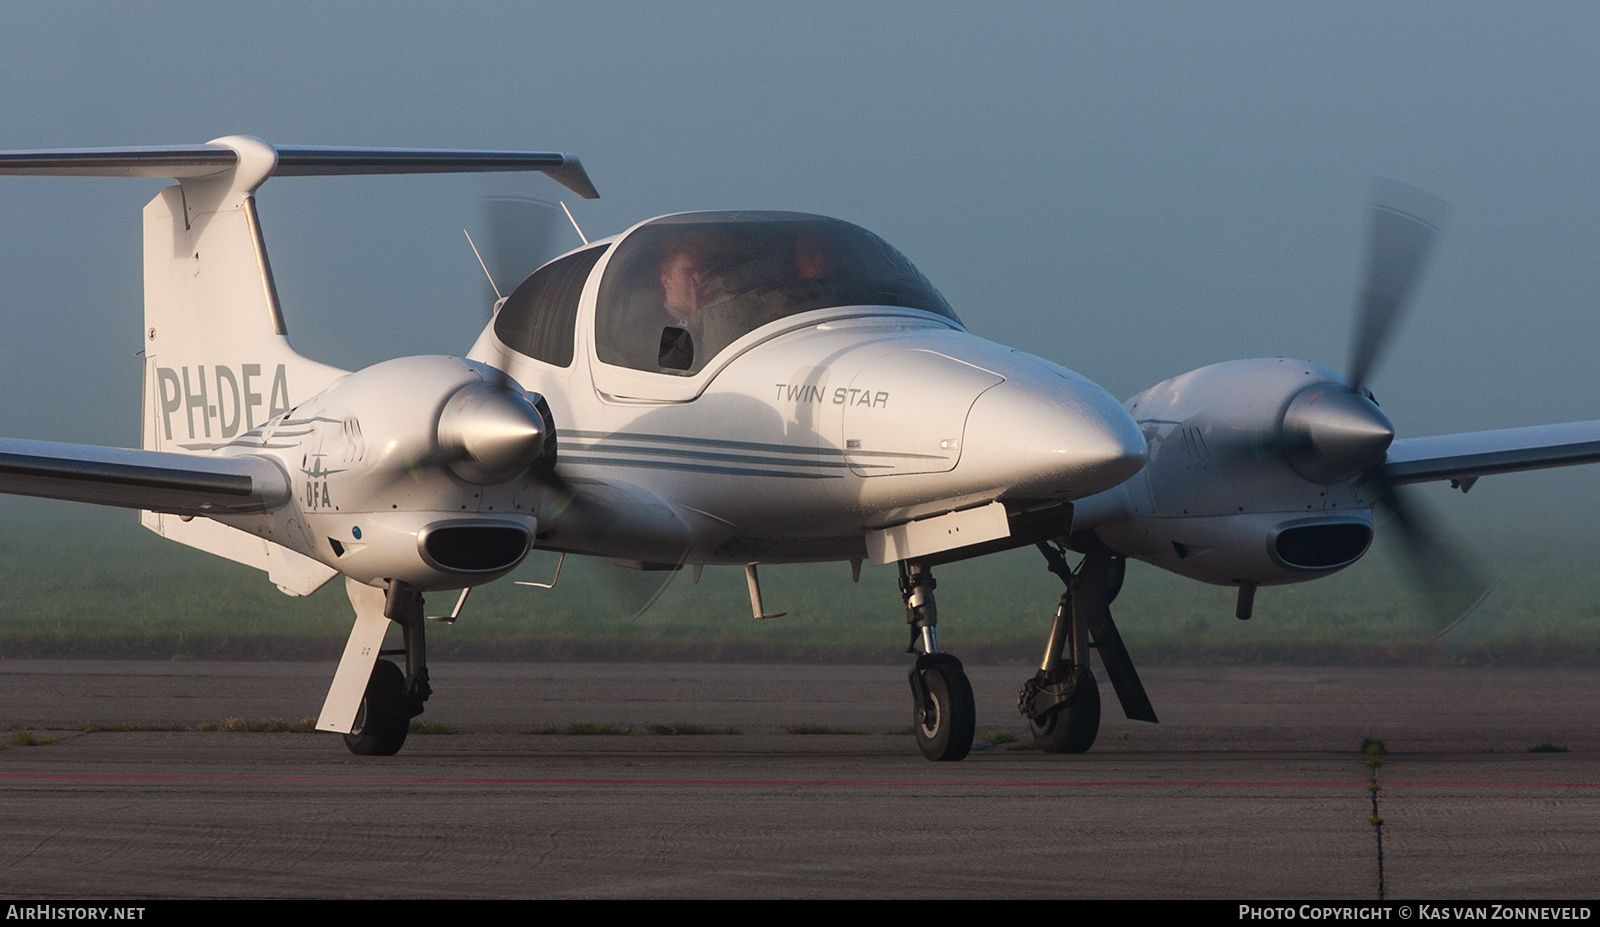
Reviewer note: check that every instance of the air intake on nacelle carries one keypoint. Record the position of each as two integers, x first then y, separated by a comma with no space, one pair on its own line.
1321,546
474,548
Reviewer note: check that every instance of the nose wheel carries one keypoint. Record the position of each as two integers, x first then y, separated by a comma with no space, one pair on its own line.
393,696
943,715
383,721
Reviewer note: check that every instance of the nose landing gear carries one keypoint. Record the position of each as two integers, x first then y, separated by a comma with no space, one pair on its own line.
394,697
382,722
944,716
1072,728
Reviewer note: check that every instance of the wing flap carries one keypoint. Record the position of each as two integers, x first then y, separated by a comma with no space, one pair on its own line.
1485,453
174,483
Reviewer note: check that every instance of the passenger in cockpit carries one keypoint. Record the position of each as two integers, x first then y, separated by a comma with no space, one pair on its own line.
811,286
810,262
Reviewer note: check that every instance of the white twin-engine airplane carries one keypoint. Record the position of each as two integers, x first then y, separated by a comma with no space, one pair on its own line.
728,388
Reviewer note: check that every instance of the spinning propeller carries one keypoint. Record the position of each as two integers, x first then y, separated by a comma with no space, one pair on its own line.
1342,433
493,432
522,234
1334,433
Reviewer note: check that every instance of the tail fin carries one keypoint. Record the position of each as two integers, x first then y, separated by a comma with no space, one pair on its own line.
217,360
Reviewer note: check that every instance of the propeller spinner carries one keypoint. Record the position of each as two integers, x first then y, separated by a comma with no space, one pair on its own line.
490,433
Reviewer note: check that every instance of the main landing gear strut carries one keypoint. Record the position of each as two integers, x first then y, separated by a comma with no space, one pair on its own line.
393,697
1062,700
943,714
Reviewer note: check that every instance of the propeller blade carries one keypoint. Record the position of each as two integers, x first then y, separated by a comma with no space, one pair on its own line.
633,587
566,495
1452,580
643,590
1403,225
522,234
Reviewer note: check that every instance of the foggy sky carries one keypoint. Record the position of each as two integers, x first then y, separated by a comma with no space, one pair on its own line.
1132,190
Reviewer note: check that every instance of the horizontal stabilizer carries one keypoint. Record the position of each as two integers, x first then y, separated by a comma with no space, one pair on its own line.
1484,453
177,483
188,161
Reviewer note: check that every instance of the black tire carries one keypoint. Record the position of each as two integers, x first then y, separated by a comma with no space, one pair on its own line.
945,722
1072,728
383,722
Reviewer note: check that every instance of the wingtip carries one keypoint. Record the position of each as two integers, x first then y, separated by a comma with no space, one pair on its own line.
572,176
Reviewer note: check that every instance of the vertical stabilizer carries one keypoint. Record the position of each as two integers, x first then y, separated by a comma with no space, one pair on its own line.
217,358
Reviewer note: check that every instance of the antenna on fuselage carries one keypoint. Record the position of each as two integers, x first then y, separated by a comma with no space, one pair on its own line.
574,222
497,294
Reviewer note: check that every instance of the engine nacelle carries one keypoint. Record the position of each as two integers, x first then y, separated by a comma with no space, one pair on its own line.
1255,474
428,550
1268,548
416,469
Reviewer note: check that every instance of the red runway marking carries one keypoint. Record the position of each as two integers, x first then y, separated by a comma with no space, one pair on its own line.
836,783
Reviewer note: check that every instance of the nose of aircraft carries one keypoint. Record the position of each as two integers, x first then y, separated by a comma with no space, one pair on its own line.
1050,434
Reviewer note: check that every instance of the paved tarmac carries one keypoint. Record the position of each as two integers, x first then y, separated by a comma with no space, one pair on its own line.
1254,786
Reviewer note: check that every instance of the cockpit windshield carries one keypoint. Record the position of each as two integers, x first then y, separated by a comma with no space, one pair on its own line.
681,288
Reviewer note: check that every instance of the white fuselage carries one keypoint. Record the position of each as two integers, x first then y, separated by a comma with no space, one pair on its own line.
819,428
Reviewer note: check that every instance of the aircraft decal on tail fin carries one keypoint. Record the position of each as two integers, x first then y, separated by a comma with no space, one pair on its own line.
222,396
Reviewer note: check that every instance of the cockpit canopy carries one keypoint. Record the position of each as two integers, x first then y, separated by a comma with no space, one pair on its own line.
679,289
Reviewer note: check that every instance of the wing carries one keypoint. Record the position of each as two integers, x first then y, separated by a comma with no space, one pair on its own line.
183,161
177,483
1469,455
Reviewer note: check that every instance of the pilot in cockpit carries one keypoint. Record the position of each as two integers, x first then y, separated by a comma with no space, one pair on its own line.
680,323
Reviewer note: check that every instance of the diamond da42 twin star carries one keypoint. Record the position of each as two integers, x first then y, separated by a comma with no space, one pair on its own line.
728,388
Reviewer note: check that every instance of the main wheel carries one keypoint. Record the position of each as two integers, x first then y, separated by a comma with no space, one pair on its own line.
1073,727
947,717
382,723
